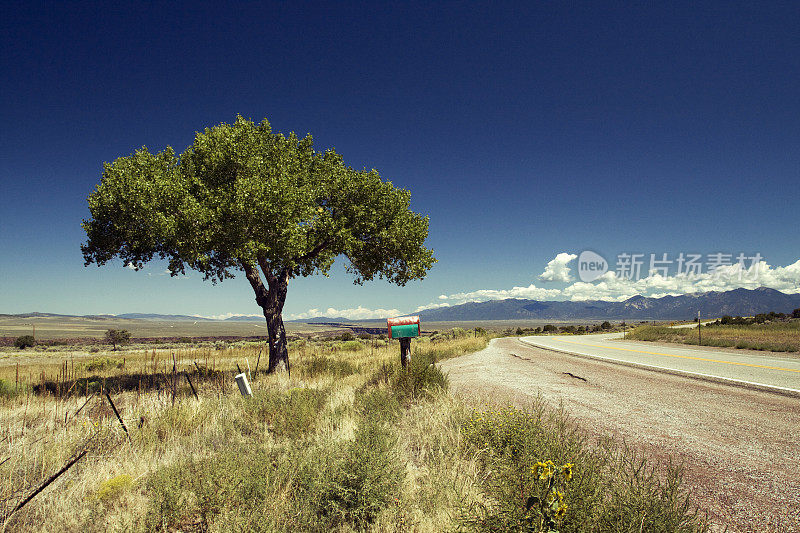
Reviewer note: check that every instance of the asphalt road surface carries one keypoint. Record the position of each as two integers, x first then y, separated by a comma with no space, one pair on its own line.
740,445
760,370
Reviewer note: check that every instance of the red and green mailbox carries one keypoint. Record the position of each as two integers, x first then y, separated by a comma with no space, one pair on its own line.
403,326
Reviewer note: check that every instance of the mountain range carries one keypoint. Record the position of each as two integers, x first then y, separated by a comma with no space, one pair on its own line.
737,302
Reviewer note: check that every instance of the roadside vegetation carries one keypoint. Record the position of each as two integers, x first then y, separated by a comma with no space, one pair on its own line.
775,332
348,441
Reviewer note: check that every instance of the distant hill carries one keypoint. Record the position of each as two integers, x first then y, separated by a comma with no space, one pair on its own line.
155,316
245,318
737,302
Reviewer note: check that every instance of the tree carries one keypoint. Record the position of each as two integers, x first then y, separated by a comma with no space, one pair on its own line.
244,199
25,341
118,336
796,313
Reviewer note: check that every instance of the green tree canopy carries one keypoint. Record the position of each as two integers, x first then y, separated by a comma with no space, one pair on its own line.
242,198
118,336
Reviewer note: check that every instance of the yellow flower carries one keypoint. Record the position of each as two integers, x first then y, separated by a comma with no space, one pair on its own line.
566,471
541,469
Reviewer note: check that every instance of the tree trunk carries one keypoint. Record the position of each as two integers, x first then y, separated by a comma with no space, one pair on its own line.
271,301
278,350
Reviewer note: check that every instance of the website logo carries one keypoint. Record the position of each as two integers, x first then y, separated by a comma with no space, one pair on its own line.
591,266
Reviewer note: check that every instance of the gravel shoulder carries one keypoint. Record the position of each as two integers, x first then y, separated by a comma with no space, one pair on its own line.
741,447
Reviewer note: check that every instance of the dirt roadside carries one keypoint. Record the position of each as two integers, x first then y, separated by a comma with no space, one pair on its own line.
741,447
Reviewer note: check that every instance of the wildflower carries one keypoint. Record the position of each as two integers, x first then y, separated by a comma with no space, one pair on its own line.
541,469
566,471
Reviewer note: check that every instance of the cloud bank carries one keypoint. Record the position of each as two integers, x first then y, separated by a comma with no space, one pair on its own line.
357,313
612,287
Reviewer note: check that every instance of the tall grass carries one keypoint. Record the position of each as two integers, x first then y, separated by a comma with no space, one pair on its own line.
349,442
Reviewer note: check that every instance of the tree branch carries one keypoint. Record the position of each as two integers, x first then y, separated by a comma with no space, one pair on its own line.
255,281
314,251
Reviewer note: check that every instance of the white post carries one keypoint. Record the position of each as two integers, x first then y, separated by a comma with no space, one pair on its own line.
244,385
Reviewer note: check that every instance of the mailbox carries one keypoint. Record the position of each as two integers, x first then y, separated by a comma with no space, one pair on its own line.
404,326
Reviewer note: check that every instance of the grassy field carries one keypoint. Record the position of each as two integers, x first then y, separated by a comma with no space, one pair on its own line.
777,336
348,442
59,327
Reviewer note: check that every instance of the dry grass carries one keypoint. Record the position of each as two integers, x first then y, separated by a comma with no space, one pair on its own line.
779,336
347,442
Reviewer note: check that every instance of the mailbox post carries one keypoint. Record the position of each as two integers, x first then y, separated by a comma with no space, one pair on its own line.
404,328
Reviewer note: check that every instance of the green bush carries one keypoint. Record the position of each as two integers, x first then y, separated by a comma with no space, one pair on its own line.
111,489
289,414
234,482
362,480
9,389
378,404
348,346
25,341
420,379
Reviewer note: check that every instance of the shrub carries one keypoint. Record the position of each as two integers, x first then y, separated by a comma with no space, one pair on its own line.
378,404
605,325
613,489
9,389
25,341
198,490
458,333
289,414
348,346
364,478
112,488
421,378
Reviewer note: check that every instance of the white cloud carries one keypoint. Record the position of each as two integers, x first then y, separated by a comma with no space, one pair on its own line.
225,316
431,306
530,292
610,287
613,288
130,266
357,313
557,269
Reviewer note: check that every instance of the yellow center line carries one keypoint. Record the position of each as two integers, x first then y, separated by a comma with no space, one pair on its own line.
684,356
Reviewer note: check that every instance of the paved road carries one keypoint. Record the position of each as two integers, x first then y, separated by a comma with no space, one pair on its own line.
758,370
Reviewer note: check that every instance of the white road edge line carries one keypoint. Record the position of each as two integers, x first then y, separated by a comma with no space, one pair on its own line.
697,375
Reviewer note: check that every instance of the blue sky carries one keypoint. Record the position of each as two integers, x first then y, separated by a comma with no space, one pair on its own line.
524,130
